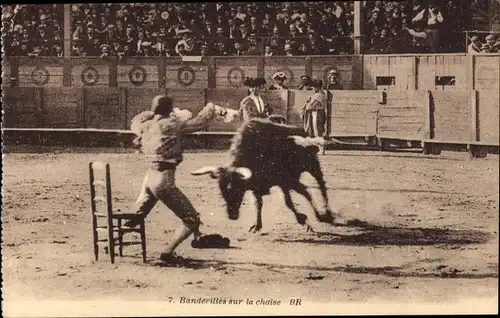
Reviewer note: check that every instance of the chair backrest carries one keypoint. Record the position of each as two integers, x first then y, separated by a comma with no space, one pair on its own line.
100,178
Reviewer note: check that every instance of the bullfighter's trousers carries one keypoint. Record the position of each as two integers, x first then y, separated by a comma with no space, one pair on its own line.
159,185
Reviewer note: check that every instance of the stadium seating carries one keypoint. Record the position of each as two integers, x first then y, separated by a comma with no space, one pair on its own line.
224,29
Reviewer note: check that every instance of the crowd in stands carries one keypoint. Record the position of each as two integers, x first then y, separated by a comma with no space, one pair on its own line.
235,29
33,30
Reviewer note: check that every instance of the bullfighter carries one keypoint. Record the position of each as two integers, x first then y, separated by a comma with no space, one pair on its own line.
159,133
313,112
255,105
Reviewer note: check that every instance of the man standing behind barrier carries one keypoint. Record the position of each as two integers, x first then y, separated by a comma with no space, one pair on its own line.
313,113
333,82
280,79
254,105
159,133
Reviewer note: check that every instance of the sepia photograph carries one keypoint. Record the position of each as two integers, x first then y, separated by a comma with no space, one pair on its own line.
250,158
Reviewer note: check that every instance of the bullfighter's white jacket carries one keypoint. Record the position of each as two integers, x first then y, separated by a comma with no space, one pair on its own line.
160,137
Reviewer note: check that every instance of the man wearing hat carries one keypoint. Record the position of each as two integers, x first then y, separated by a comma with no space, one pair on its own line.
159,132
313,113
490,40
305,83
333,82
105,50
254,105
279,78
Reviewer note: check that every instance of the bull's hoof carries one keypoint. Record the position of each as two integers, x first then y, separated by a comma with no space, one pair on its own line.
255,228
309,229
301,218
326,218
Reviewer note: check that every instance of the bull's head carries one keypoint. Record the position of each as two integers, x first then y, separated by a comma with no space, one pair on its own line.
232,185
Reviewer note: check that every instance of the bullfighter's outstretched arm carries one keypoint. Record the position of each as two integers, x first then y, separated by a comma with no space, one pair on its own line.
204,118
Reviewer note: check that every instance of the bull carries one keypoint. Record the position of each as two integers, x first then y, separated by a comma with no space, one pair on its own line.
265,154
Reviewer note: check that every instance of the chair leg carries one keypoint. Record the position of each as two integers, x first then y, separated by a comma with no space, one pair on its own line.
96,246
111,243
143,241
120,237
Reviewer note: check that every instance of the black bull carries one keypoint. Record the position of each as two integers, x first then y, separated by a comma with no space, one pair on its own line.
265,154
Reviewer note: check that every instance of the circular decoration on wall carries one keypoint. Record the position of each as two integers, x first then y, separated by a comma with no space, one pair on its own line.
235,76
186,76
90,76
137,75
40,75
288,72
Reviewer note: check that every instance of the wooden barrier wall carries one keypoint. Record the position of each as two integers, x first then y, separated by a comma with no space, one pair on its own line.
458,116
356,72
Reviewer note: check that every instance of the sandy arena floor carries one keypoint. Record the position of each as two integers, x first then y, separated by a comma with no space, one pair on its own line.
434,233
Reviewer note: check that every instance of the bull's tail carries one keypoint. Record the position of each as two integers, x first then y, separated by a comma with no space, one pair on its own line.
317,141
336,141
308,141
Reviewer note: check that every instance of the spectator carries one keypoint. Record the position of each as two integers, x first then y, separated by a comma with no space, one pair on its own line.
239,50
305,83
288,50
279,81
253,48
431,19
331,22
221,48
268,51
332,81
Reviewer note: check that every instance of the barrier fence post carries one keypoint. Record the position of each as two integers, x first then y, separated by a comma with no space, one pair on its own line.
358,22
429,130
474,115
122,95
113,72
67,30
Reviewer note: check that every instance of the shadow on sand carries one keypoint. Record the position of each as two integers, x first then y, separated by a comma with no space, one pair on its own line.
372,234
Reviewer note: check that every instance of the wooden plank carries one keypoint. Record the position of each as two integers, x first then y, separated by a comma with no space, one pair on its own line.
103,108
22,107
487,72
138,76
231,71
355,108
187,75
452,115
296,100
63,108
474,117
90,72
488,104
40,75
368,73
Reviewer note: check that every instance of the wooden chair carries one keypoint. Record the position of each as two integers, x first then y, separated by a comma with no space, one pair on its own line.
109,221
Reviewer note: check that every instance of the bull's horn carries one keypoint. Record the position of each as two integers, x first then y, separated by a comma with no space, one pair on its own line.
308,141
214,171
244,172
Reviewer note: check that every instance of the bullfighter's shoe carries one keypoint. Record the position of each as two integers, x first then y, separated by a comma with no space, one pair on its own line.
171,258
